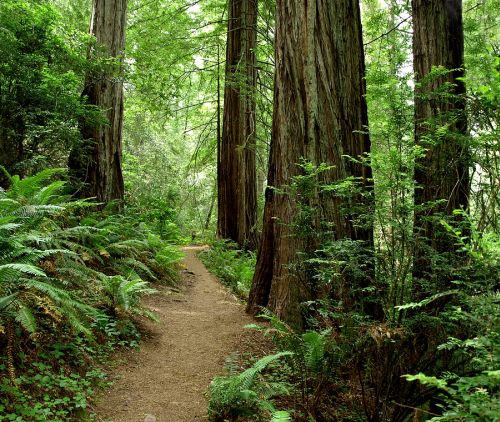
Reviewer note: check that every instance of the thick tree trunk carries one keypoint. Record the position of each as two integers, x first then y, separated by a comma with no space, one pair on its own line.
319,109
98,163
237,211
443,172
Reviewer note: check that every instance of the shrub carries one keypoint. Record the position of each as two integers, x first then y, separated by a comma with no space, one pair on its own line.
71,281
232,266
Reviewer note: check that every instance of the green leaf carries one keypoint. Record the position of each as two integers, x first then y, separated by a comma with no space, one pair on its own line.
281,416
426,301
426,380
21,268
5,301
25,317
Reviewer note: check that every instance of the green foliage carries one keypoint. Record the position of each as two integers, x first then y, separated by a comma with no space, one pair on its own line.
245,394
281,416
29,209
475,397
172,108
68,280
125,294
73,279
313,365
41,77
232,266
472,393
44,392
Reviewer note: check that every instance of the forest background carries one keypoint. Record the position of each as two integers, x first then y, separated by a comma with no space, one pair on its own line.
66,263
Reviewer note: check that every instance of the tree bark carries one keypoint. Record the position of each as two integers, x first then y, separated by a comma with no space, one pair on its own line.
443,172
97,164
237,205
11,149
319,109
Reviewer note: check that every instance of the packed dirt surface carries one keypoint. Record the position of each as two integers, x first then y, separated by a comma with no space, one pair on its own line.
165,381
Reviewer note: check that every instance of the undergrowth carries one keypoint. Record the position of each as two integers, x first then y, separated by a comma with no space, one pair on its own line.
432,355
248,394
71,280
232,266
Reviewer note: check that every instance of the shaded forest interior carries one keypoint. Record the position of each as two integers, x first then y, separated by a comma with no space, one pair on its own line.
340,158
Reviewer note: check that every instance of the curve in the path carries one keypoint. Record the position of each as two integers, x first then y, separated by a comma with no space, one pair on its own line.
166,379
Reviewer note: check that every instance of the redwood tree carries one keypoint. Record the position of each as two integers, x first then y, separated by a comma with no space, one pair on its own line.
319,114
442,173
237,204
97,163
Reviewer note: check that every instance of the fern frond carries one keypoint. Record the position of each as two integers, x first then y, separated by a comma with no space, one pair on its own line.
126,265
8,204
247,377
35,211
76,272
78,232
148,313
9,227
28,186
50,194
25,317
15,268
130,247
281,416
69,307
6,301
77,325
314,353
85,253
277,324
54,293
36,238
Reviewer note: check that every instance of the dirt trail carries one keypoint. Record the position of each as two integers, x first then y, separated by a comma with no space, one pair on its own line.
166,379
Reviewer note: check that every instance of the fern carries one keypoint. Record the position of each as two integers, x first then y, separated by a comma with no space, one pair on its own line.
247,377
242,394
8,227
281,416
26,318
37,211
29,186
6,301
314,349
11,270
51,194
125,294
57,267
130,265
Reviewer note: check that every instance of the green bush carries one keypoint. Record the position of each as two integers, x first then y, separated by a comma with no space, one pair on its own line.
232,266
247,393
72,278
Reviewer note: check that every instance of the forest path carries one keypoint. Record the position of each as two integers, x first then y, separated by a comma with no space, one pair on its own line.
166,379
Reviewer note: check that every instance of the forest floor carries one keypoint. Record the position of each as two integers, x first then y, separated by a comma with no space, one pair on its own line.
200,324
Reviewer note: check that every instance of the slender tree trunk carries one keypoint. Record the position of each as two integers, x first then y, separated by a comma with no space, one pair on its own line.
443,172
319,109
219,141
210,211
11,149
98,163
237,211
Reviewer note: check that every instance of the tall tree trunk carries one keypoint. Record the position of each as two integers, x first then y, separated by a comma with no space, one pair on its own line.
97,164
442,173
237,211
319,111
11,149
